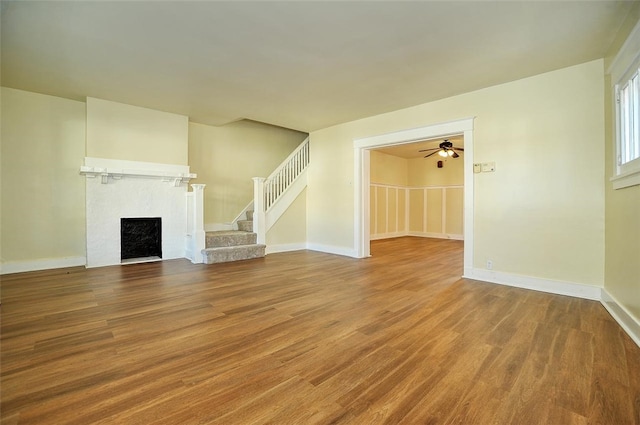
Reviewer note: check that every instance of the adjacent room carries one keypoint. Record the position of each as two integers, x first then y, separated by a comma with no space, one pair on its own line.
320,212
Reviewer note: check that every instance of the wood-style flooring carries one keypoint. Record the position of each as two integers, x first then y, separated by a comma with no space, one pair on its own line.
308,338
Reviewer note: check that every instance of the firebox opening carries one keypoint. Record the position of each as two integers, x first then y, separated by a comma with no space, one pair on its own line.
140,239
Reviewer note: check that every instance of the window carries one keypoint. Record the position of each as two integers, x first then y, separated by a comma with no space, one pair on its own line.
629,112
624,71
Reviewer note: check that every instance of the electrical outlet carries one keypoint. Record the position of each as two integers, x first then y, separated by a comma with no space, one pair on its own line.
489,265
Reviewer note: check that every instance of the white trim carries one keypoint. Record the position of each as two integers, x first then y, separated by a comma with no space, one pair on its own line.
405,232
330,249
285,247
375,212
115,169
289,158
361,190
386,210
284,201
400,234
425,208
407,205
436,235
402,137
215,227
394,186
388,235
397,226
361,228
242,215
45,264
626,180
621,70
625,319
558,287
633,36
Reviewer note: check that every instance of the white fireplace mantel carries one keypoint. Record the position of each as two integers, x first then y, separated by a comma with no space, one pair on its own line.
117,169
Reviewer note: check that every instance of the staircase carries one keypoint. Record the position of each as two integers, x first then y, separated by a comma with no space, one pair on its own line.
271,198
233,245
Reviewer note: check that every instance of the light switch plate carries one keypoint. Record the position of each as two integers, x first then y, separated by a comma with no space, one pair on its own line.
488,167
477,168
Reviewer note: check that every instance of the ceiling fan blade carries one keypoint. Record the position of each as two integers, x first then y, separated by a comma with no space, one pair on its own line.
427,150
432,153
455,155
460,149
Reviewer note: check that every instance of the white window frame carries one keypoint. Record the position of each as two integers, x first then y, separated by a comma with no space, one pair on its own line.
625,73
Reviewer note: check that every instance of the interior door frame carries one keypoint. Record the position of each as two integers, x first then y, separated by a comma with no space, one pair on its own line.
362,178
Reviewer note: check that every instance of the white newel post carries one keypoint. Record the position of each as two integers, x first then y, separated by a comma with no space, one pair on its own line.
199,236
258,209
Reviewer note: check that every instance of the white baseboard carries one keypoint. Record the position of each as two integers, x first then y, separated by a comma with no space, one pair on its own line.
285,247
44,264
214,227
387,235
417,234
329,249
437,235
625,319
571,289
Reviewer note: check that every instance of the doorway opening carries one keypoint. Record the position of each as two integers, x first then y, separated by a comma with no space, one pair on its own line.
362,178
417,189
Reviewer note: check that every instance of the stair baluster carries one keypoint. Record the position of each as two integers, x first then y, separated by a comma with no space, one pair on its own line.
268,191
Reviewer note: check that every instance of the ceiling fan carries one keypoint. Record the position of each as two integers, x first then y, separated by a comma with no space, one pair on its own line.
446,149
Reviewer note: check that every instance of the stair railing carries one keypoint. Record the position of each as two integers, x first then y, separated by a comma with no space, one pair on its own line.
266,192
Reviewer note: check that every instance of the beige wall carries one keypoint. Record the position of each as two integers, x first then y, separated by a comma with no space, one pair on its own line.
388,169
226,158
622,210
44,142
540,214
425,171
119,131
392,170
43,145
291,227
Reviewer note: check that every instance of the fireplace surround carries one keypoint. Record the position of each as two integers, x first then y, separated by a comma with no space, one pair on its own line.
118,189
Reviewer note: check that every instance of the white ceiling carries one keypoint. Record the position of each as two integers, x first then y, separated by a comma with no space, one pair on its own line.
298,64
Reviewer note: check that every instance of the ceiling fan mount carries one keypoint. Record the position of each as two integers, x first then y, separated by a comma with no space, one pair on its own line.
445,149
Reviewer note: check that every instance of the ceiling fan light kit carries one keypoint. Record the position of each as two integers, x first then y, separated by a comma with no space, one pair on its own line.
445,150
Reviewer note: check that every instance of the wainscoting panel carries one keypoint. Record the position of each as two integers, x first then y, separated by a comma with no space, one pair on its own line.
453,209
416,210
433,205
435,212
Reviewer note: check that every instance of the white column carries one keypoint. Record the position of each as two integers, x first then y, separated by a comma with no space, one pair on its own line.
258,209
199,237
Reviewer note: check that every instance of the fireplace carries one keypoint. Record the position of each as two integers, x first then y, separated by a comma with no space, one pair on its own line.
140,238
117,189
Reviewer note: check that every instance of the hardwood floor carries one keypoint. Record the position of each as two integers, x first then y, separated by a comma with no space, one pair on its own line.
308,338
